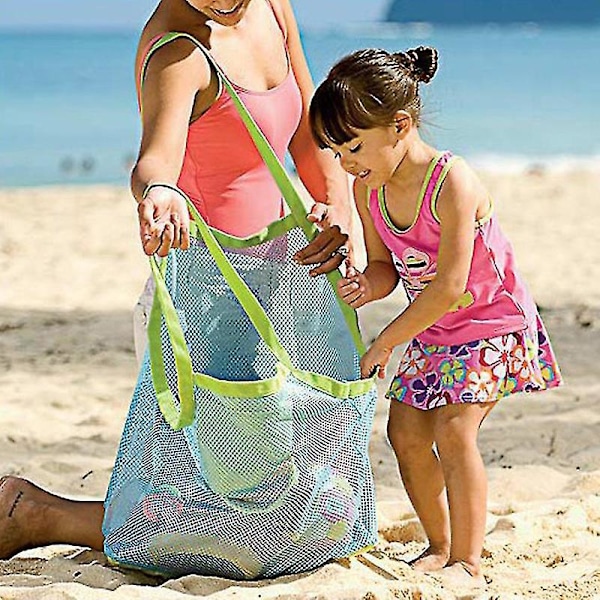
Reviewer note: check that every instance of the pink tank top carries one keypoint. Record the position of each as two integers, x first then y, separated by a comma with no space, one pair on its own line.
223,172
495,301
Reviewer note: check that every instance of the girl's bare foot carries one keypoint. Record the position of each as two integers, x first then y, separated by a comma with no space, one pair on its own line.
431,560
461,574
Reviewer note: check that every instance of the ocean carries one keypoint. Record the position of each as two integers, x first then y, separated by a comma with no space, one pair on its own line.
505,97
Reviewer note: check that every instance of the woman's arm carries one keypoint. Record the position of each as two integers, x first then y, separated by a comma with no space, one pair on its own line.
457,207
324,179
175,75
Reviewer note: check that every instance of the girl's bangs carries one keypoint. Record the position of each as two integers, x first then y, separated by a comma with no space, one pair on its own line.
334,124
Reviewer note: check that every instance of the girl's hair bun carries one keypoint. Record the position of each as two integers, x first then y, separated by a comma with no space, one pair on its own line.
421,62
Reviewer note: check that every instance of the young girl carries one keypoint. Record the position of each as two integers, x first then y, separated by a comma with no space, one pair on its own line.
473,331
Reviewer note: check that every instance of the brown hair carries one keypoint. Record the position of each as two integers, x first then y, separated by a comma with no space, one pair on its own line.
365,90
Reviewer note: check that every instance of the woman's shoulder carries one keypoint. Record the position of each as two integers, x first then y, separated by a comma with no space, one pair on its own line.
174,42
278,11
180,50
285,15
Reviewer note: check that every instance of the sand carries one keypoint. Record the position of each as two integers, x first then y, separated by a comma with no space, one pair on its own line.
71,273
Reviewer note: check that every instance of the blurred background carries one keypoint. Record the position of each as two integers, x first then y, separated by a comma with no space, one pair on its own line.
516,90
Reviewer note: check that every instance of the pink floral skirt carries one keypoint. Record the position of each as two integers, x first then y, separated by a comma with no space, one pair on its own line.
481,371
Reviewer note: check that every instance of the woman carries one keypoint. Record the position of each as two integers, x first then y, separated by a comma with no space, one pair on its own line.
179,87
193,141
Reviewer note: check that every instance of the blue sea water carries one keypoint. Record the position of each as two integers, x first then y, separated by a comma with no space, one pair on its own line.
503,96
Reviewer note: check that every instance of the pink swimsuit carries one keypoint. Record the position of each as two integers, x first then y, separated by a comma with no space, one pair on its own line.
223,173
492,342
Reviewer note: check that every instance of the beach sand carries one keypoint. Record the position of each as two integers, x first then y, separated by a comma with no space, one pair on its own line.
71,273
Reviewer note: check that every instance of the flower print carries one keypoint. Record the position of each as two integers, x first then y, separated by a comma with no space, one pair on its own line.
452,371
424,389
519,364
542,350
536,377
463,351
397,392
507,387
467,395
542,339
430,349
532,349
532,386
482,384
495,354
548,370
441,399
414,362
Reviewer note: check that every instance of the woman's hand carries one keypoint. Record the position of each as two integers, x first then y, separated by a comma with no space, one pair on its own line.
164,221
331,246
354,289
375,360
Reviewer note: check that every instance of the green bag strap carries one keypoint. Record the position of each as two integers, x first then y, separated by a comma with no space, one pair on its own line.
183,416
288,191
245,296
286,187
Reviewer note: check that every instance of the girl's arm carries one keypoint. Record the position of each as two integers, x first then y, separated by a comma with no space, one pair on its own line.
324,179
175,75
457,208
380,277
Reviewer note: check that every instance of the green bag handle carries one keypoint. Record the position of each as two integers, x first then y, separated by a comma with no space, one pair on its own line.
286,187
288,191
182,416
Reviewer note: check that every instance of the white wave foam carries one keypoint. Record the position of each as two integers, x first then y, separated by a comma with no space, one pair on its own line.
525,164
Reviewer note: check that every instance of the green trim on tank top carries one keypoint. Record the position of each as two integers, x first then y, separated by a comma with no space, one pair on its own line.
424,185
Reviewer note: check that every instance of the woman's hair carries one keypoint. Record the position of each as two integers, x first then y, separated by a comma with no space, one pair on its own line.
365,90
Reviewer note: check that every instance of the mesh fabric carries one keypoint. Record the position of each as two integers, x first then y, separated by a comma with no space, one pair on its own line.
256,486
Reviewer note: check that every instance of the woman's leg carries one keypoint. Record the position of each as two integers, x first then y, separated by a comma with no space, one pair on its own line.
410,432
31,517
455,430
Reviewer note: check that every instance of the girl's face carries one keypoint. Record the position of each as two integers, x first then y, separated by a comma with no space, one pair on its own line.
374,154
223,12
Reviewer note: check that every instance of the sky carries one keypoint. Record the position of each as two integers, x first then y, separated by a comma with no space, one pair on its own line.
130,14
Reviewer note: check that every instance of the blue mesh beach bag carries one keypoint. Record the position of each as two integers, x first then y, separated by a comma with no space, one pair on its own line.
245,450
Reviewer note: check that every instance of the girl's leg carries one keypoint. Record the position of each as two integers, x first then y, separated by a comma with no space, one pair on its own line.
455,430
31,517
411,432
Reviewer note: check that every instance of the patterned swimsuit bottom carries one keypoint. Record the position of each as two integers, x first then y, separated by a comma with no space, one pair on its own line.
486,370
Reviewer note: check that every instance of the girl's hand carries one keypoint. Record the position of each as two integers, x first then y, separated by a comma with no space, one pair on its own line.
164,221
354,289
375,360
